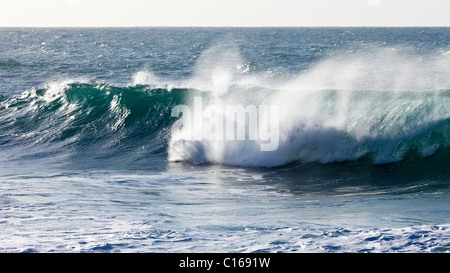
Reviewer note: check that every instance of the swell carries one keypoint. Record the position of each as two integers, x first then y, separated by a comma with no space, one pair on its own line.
9,63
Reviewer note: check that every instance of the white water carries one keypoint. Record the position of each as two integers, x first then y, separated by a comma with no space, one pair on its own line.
382,102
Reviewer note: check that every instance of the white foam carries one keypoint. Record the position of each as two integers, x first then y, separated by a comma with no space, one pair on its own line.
341,109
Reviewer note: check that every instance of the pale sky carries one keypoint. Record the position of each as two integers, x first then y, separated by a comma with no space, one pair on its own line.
84,13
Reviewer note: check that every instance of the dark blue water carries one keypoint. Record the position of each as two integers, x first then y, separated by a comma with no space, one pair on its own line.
89,161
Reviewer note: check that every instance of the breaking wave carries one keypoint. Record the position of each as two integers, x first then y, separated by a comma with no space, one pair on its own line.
384,104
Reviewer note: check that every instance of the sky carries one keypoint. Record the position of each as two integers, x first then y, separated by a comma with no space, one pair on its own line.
248,13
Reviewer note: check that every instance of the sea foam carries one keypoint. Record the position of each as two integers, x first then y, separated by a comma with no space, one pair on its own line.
381,102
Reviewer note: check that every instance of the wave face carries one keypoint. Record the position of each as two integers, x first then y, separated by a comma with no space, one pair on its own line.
94,120
382,104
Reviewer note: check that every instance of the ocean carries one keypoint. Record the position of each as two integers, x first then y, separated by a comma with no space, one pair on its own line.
355,158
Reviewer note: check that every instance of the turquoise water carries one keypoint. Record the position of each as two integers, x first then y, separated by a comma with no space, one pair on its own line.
89,162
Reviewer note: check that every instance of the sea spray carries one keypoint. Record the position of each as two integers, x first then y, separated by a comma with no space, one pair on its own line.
343,108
